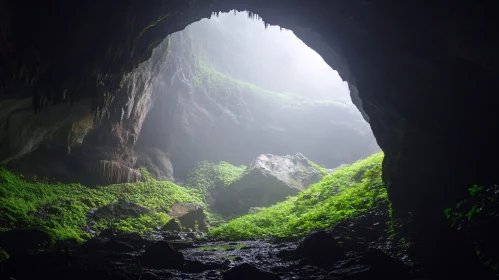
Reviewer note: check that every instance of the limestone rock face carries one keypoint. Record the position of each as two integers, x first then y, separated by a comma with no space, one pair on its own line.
269,179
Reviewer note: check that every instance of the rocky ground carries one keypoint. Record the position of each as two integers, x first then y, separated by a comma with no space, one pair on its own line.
355,249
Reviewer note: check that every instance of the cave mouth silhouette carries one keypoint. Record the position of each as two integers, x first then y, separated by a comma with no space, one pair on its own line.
250,89
417,65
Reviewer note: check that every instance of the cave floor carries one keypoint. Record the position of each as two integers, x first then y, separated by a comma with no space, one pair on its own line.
119,258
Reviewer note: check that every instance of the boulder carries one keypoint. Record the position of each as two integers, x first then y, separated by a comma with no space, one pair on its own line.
248,271
19,242
172,225
162,255
194,220
121,210
268,180
321,248
187,216
181,208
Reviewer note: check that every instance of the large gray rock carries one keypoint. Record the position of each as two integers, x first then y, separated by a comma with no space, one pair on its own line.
181,208
188,215
269,179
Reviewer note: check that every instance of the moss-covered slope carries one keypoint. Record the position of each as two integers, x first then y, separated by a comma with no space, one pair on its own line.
346,193
67,210
63,209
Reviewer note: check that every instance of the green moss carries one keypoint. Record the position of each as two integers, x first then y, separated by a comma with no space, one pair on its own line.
141,225
206,176
315,208
322,170
227,87
473,218
61,209
3,255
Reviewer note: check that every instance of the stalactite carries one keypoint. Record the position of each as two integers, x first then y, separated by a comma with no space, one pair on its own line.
115,172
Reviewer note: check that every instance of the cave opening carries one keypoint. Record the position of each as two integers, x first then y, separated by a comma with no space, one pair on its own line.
232,88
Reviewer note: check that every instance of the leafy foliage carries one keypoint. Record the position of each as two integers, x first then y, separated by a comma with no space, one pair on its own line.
61,209
229,88
322,170
336,197
206,176
474,216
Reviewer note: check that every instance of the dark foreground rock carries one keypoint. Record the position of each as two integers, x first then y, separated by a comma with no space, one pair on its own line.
162,255
320,247
248,271
321,255
187,216
269,179
195,220
24,241
172,225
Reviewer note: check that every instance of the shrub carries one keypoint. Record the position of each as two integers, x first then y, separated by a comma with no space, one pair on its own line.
473,217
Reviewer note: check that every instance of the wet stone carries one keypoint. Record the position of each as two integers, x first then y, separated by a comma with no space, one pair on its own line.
162,255
248,271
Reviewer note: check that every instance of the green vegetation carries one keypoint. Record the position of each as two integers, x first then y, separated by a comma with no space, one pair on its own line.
343,194
473,218
227,87
61,209
322,170
3,255
206,176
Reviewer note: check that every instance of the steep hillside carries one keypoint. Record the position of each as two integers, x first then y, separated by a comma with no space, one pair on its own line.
346,193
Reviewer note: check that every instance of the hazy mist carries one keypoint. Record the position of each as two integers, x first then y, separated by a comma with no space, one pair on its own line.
272,58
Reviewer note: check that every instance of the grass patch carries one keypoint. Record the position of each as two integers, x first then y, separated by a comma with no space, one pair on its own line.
337,196
206,176
61,209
